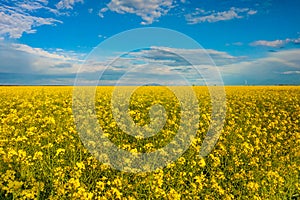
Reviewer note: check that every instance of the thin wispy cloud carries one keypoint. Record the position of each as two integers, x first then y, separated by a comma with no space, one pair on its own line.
235,44
291,72
20,18
25,16
200,15
275,43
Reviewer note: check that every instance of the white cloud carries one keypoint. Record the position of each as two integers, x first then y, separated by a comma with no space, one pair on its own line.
21,58
252,12
157,64
24,16
31,5
275,68
275,43
291,72
103,10
39,52
149,11
265,70
202,56
68,4
200,16
16,20
164,65
297,41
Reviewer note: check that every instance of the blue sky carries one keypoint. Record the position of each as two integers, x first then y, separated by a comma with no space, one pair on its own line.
47,42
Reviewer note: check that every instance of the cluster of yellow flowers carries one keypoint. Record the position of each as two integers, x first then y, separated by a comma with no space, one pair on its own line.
256,157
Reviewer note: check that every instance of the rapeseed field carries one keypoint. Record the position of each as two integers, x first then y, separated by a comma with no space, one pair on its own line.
256,157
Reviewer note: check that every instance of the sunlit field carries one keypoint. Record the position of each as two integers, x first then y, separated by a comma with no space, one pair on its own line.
256,157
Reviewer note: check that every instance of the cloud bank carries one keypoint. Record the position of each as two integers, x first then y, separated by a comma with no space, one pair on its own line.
22,64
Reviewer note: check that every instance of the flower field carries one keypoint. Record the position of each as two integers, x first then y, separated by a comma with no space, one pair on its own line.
256,157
